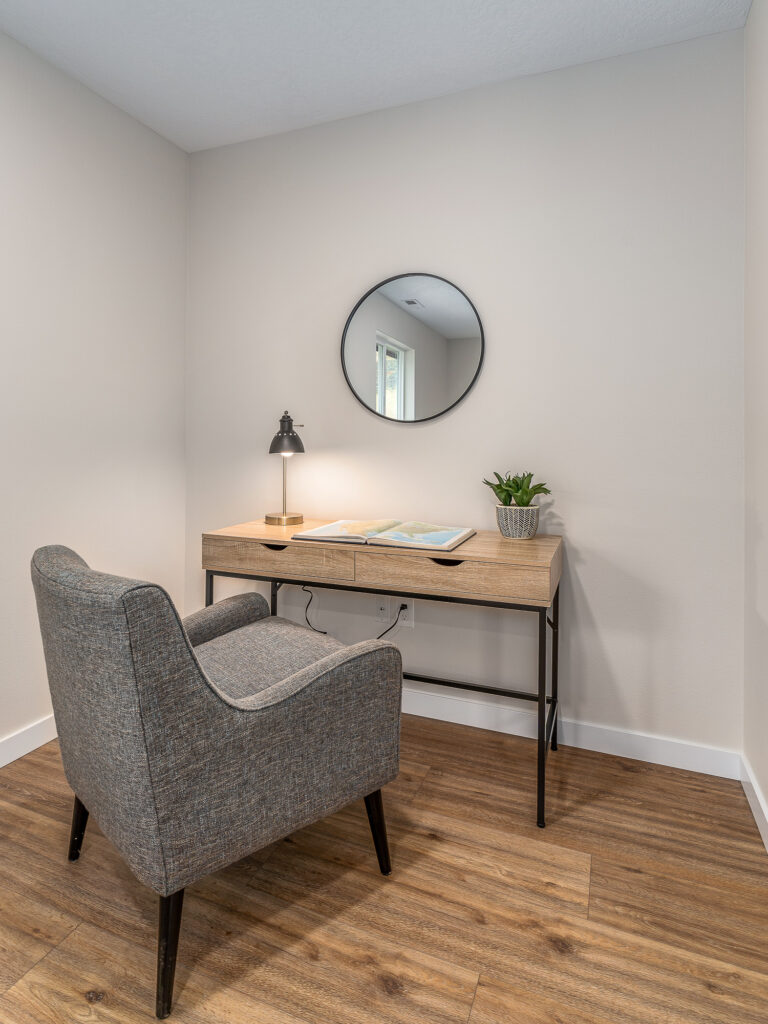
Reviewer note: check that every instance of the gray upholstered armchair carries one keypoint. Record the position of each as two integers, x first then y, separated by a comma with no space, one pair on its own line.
194,744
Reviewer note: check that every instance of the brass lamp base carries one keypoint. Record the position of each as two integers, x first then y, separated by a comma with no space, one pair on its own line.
283,518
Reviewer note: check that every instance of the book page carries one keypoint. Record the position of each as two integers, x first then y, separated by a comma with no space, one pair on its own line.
424,535
347,529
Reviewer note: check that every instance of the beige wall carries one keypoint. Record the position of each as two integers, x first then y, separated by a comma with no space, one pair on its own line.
92,264
756,352
595,215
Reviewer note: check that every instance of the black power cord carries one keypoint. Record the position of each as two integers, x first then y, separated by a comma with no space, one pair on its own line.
400,610
306,612
403,607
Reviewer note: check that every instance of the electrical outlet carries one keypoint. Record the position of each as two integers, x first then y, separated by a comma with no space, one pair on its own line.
406,616
384,609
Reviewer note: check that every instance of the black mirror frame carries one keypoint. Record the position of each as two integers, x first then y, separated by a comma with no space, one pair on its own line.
462,396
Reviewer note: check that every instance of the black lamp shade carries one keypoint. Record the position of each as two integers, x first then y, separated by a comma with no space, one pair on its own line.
286,441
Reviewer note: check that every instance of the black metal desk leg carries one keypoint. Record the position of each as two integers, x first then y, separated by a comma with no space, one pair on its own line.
541,779
208,587
555,651
273,589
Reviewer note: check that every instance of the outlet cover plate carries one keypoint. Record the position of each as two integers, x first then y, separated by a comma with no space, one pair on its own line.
407,616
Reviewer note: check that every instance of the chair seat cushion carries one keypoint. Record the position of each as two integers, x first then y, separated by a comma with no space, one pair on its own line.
254,657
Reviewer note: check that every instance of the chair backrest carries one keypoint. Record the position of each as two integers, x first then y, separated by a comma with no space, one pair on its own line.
98,662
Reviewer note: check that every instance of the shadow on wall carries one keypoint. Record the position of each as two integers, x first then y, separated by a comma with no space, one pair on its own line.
755,597
755,614
586,666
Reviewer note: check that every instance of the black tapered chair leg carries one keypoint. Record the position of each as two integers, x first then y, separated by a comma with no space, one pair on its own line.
375,808
79,821
169,925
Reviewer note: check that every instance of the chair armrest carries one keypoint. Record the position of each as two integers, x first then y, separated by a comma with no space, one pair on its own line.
369,664
224,616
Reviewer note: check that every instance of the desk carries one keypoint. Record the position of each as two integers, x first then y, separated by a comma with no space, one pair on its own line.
487,570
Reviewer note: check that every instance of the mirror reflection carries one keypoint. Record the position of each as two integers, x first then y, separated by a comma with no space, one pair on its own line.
412,347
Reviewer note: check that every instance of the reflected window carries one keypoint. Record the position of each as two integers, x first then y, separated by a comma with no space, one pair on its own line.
392,371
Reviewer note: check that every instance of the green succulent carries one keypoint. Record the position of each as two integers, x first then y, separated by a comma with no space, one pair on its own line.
516,490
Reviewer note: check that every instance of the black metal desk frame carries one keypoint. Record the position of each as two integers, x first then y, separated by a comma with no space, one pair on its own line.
546,704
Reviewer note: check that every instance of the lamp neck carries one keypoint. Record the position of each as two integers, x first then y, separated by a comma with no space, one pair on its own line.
285,483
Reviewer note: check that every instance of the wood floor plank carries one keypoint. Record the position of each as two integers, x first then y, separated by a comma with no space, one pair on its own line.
39,772
641,832
30,927
103,979
596,968
710,916
336,976
408,781
98,887
524,872
253,941
499,1003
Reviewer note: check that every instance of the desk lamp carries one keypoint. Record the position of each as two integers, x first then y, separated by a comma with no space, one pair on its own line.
286,442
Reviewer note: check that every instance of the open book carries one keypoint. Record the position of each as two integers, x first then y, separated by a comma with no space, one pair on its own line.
390,532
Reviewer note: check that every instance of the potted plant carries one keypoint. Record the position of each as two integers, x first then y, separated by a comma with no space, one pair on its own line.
515,514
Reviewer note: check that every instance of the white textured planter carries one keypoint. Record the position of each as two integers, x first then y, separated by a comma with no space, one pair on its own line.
520,522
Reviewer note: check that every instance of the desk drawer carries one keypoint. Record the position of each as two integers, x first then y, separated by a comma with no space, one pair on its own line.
306,561
491,579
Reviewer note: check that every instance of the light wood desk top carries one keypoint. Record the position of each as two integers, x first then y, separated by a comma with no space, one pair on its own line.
486,567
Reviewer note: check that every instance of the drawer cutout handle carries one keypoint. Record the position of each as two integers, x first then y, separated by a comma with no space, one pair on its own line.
447,561
276,547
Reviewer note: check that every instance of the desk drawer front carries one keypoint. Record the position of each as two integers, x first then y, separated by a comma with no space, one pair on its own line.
494,579
302,560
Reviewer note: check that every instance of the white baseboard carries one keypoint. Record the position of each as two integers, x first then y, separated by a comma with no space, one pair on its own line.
756,798
499,715
21,742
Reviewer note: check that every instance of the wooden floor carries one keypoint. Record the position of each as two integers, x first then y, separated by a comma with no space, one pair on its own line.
645,900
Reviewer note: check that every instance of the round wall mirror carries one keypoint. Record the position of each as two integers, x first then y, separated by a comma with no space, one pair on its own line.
412,347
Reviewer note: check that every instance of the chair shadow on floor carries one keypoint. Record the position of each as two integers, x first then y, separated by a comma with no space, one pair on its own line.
262,914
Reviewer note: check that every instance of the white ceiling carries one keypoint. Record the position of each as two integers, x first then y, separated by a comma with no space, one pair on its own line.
442,306
206,73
